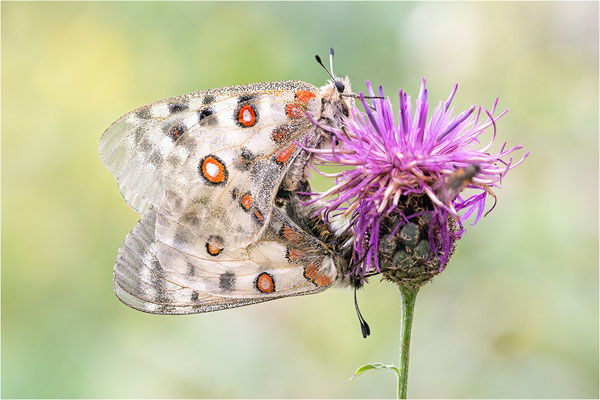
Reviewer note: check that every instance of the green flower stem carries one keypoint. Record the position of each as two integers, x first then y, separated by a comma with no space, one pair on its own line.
408,297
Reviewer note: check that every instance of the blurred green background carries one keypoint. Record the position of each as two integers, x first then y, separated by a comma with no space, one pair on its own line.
514,315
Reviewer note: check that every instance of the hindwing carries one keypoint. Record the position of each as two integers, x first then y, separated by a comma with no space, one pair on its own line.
154,277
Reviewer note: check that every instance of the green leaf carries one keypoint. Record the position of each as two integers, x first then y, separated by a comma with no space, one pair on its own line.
367,367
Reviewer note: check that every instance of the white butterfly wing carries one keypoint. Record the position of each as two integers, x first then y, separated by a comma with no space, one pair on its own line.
216,157
154,277
135,146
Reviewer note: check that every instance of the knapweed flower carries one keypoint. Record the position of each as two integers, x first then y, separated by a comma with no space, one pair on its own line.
403,190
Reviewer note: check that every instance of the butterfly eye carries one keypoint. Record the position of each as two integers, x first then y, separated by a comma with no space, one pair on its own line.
339,86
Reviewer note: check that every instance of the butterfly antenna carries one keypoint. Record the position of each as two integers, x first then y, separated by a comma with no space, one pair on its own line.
364,327
324,67
338,84
363,258
331,60
357,96
370,274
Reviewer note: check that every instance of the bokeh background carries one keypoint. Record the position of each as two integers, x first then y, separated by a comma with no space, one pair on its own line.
514,315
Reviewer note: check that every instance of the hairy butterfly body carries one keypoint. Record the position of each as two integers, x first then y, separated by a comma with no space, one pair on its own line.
207,172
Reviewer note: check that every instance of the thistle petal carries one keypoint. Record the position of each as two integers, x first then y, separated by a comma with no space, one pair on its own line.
397,162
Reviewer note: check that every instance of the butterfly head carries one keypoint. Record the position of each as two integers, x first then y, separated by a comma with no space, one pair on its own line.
337,93
337,88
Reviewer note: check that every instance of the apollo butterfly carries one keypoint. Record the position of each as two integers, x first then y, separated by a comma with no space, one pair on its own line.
215,175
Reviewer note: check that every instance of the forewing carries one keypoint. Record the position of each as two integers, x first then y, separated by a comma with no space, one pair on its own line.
154,277
223,181
154,149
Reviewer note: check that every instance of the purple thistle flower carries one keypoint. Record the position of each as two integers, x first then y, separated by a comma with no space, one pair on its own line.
409,175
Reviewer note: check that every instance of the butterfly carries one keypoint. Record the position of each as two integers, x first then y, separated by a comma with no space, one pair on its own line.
215,175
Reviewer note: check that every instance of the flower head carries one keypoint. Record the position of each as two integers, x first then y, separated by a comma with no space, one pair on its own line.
407,176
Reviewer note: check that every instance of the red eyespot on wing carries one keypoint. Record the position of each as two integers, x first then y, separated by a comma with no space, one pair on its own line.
246,202
177,131
322,280
303,96
264,283
290,235
293,255
246,116
214,245
297,110
281,133
284,154
213,170
294,111
258,216
312,273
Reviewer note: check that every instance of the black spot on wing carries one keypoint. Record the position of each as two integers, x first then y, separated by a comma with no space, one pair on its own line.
181,236
227,281
245,159
191,219
177,107
156,158
245,99
144,113
191,269
158,293
204,114
145,145
208,99
175,132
